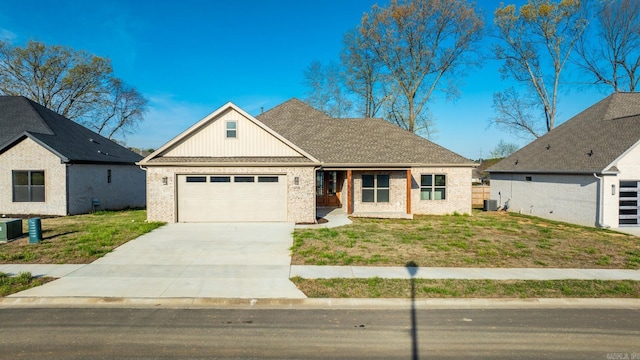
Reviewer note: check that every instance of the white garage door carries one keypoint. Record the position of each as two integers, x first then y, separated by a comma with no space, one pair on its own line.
209,198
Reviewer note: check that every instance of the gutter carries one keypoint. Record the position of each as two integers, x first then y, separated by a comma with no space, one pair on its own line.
358,166
229,164
551,172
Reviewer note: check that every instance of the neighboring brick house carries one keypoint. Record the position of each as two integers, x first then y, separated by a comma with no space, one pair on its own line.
282,164
586,171
50,165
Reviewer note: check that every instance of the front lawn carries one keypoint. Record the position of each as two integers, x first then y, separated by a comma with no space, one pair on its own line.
485,239
448,288
77,239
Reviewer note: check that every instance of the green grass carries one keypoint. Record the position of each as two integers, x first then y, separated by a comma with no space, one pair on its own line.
396,288
23,281
484,239
78,239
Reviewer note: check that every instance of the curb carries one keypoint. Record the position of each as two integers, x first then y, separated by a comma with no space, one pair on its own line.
302,304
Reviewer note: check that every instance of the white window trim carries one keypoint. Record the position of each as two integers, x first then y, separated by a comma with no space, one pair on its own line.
226,129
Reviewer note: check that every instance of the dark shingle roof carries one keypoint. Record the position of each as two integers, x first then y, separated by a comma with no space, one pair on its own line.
354,141
586,143
21,117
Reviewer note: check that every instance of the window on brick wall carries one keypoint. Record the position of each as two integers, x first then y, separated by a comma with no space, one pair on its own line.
375,188
28,185
433,187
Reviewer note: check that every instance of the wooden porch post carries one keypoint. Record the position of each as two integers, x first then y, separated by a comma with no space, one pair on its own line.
409,191
349,193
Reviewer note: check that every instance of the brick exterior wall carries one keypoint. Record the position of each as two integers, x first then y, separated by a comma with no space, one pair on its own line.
162,201
458,191
397,195
29,155
458,194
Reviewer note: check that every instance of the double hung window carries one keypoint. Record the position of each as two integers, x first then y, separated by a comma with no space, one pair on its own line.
232,129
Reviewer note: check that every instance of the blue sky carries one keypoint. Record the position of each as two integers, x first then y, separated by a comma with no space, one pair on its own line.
191,57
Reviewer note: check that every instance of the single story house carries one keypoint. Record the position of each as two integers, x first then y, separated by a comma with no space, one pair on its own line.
586,171
282,164
50,165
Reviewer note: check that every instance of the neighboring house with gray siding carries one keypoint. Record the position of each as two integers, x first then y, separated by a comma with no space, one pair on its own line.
50,165
586,171
286,162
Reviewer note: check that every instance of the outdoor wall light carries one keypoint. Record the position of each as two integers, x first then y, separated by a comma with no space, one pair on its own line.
613,189
165,180
296,180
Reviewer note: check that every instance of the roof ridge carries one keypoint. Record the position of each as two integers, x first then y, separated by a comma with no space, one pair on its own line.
618,108
32,107
293,102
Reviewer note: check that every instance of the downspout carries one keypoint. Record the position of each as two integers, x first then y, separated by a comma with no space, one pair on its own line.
599,222
66,184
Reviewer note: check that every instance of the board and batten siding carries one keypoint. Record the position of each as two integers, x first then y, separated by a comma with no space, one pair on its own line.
251,140
629,170
629,164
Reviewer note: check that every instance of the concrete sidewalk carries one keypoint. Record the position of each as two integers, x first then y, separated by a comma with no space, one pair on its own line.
327,272
354,272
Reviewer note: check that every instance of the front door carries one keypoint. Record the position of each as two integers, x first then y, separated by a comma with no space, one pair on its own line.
327,188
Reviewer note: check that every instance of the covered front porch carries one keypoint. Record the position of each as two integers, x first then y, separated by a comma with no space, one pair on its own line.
370,192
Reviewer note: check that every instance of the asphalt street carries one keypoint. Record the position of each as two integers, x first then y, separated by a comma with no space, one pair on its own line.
108,333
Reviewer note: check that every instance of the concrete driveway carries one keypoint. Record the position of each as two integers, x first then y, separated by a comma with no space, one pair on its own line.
226,260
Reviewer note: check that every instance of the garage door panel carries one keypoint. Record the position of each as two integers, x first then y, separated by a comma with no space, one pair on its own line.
264,199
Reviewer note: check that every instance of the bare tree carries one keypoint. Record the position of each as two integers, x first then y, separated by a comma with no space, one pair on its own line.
123,108
535,44
363,75
515,113
326,89
75,84
609,51
395,111
503,149
420,42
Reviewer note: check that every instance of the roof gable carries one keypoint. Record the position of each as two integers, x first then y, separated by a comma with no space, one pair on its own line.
207,139
72,142
589,142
